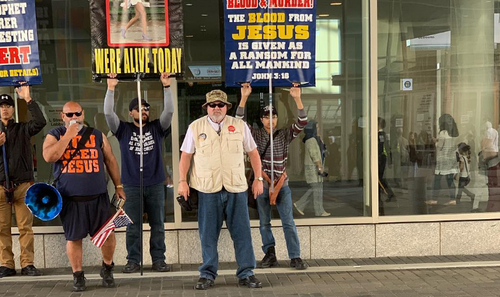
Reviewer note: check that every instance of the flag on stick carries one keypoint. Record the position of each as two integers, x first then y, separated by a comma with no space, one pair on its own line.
119,219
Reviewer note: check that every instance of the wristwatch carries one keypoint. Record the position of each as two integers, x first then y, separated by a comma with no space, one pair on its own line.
260,178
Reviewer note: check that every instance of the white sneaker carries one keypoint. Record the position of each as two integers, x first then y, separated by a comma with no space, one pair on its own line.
298,210
325,214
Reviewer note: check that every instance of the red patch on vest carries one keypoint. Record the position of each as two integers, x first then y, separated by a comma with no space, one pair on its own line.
231,129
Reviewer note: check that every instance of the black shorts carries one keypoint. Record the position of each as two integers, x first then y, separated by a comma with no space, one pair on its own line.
81,217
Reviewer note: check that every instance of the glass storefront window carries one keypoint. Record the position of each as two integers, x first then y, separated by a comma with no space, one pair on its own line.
438,96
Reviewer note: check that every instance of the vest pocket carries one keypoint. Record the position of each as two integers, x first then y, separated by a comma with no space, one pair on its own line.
235,144
238,177
204,148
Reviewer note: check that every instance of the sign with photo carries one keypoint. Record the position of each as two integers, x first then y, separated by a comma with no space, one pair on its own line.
131,37
270,40
19,60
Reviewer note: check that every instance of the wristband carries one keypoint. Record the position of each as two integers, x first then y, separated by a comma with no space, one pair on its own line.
119,187
182,180
166,87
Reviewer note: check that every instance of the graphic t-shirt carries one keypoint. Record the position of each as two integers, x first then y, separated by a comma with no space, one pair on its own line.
128,136
84,175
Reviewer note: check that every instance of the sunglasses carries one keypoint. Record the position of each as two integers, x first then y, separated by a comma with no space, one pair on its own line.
145,108
267,117
70,114
219,105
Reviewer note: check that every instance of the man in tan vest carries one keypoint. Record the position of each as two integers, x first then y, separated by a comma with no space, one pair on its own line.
216,144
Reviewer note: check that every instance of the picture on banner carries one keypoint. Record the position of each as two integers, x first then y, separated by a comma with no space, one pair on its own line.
137,37
270,40
19,59
137,23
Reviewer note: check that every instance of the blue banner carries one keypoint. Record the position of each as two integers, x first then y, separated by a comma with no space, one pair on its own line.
19,59
270,39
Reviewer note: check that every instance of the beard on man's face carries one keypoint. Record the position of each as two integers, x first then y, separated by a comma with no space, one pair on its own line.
145,119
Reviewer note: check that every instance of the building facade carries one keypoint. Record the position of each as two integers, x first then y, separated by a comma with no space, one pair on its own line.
409,63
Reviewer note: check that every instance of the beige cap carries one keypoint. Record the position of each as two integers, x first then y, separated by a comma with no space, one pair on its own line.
217,95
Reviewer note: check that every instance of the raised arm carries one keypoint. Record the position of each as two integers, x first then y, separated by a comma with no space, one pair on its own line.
109,104
246,90
298,127
37,121
168,104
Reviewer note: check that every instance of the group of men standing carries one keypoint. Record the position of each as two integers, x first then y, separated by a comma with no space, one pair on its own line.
212,162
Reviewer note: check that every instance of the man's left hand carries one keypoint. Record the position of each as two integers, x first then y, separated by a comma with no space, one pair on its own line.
257,188
24,92
295,91
165,79
120,193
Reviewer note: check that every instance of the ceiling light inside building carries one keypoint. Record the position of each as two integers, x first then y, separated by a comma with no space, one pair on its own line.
335,3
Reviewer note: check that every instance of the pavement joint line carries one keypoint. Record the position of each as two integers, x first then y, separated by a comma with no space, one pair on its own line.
227,272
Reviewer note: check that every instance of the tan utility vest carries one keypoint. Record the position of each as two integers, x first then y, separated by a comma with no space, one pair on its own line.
218,160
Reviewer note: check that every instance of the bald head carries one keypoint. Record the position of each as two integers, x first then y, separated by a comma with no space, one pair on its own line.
72,106
72,111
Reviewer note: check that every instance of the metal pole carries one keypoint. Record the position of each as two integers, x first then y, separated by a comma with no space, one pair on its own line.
141,164
271,186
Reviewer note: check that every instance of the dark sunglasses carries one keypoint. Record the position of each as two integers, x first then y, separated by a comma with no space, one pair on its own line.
145,108
219,105
70,114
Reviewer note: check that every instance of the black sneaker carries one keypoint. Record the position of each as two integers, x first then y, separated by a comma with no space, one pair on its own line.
6,271
251,282
269,259
160,266
107,275
298,264
30,270
131,267
79,281
204,283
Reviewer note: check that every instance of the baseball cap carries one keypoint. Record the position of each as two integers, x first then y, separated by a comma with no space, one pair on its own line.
265,111
6,99
135,102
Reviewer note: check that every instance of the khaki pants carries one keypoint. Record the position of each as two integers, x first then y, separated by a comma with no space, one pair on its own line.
24,220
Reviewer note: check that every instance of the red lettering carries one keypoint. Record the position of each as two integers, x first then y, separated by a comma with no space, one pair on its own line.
14,55
3,55
238,4
25,52
96,165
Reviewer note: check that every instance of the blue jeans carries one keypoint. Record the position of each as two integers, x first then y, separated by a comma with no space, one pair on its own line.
285,209
213,208
154,206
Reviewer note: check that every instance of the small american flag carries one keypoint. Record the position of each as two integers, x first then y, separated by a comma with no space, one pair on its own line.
119,219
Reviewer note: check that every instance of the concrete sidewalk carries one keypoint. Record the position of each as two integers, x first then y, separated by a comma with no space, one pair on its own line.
410,276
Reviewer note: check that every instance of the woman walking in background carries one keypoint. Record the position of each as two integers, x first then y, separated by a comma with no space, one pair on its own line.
313,169
446,159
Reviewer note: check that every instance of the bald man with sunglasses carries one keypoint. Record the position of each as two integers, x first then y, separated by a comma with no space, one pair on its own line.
127,134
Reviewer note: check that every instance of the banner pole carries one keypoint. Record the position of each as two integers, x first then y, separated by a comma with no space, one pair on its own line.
271,140
141,165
